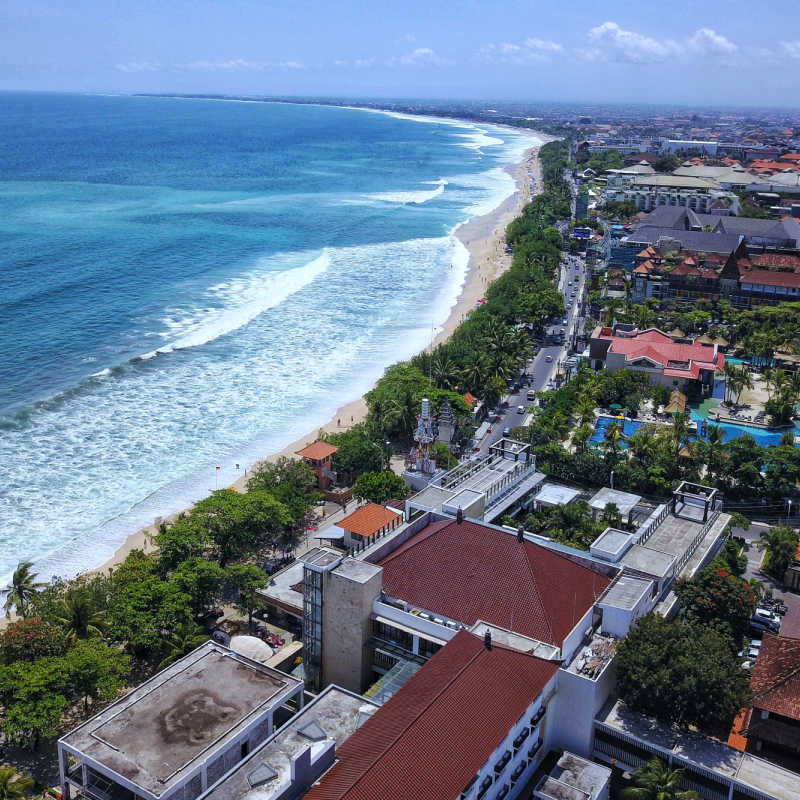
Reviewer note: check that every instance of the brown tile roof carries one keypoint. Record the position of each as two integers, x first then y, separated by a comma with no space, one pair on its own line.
369,519
470,572
769,277
470,399
431,738
775,682
317,450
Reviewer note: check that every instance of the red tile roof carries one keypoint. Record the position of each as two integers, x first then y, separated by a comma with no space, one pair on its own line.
369,519
317,450
663,351
775,682
769,277
431,738
470,571
470,399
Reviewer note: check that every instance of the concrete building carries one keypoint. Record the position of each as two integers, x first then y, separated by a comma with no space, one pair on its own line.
687,146
484,487
648,192
290,761
624,501
574,778
714,770
554,494
178,733
471,724
767,278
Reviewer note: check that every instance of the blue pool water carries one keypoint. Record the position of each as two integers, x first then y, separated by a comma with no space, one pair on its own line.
192,284
629,427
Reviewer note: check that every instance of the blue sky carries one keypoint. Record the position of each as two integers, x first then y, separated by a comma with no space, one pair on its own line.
714,52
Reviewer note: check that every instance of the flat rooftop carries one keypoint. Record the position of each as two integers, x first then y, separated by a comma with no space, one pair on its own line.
358,571
479,476
624,501
711,754
267,772
554,494
159,733
281,591
625,592
611,543
648,560
572,772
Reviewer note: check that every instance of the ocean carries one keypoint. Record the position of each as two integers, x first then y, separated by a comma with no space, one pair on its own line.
193,284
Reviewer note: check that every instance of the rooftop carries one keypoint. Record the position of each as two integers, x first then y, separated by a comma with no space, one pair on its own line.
421,744
775,681
317,450
553,494
624,501
585,779
649,561
369,519
330,718
625,592
470,572
708,753
155,735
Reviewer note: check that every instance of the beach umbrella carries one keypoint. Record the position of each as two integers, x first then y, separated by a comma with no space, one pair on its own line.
721,342
704,339
677,333
615,407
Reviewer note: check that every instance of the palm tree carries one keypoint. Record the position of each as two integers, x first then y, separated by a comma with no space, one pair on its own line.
612,440
79,617
731,373
680,432
656,781
475,373
185,638
14,785
444,371
713,450
580,439
23,587
644,316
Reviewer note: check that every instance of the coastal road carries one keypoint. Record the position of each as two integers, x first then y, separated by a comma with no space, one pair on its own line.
539,371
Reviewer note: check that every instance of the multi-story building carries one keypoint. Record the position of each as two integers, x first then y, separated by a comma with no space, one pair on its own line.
647,192
177,734
764,278
667,274
656,354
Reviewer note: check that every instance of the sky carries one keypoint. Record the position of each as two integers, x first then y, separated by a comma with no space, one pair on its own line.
684,52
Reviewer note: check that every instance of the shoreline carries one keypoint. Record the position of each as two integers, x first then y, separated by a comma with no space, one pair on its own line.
483,237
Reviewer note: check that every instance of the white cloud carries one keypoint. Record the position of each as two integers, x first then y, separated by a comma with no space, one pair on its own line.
543,45
616,44
238,65
611,42
420,57
531,49
791,49
707,40
138,66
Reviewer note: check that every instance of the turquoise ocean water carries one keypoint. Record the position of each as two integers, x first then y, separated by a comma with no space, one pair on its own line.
187,284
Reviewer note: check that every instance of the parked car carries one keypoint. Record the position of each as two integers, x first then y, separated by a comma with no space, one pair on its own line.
767,615
506,431
520,409
531,395
763,626
548,359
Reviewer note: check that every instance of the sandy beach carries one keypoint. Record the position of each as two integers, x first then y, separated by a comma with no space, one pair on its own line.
484,237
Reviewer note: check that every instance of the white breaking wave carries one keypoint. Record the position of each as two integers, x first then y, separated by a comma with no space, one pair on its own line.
479,139
416,197
243,299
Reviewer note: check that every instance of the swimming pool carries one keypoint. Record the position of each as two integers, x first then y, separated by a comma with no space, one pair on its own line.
629,427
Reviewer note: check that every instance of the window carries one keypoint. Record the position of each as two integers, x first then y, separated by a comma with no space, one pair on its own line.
391,634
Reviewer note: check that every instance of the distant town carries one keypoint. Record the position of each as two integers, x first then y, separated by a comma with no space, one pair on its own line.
557,558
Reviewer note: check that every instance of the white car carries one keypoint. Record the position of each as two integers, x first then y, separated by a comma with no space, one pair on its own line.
548,359
767,616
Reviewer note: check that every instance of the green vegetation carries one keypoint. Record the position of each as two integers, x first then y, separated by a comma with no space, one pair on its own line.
378,487
23,587
13,785
571,524
599,162
681,672
79,641
780,542
717,600
656,781
488,348
360,450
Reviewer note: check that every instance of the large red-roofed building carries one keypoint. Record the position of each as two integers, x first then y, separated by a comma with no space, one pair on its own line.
469,572
665,361
471,717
